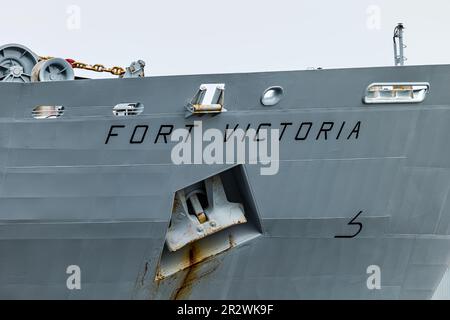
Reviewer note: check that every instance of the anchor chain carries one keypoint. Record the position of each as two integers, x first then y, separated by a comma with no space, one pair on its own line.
117,71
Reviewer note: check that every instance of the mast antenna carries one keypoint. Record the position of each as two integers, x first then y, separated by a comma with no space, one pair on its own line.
399,46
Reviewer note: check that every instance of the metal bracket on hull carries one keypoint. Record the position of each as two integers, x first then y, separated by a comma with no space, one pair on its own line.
193,219
198,107
135,70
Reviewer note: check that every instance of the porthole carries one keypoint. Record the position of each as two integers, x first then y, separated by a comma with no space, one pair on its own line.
272,96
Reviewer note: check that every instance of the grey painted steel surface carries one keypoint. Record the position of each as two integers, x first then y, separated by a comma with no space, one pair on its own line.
68,198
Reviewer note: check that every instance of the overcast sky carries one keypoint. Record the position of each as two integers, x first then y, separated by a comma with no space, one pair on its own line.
209,36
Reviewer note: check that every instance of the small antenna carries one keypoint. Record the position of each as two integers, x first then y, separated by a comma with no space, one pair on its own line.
399,57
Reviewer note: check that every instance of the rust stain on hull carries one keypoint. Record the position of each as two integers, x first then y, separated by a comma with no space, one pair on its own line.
196,264
231,242
193,273
145,274
140,280
185,287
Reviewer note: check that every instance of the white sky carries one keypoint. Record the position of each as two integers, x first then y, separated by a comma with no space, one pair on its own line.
209,36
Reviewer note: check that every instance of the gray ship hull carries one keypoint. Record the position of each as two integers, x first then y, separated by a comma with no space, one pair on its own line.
69,198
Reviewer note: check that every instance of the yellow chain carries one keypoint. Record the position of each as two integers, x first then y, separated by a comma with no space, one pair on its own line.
117,71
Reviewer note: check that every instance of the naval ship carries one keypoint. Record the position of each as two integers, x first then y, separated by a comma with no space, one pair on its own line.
92,205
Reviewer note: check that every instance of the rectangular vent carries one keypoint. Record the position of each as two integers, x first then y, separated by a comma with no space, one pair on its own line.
396,92
47,112
128,109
